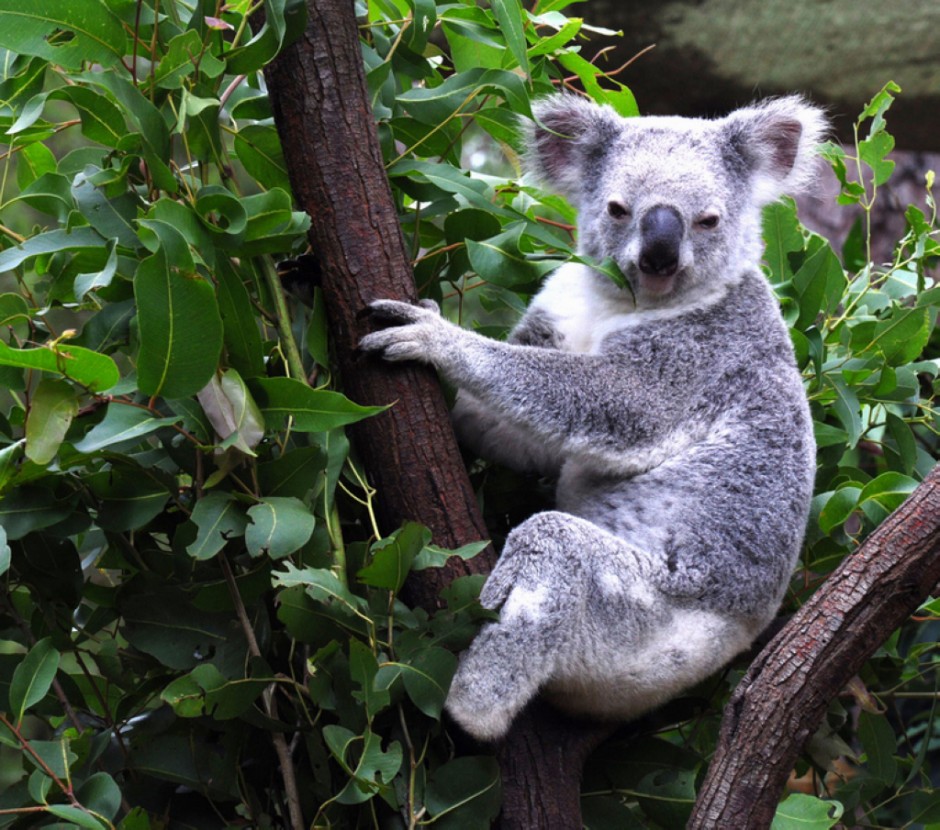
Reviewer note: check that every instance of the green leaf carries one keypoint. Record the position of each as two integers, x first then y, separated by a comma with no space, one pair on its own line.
129,497
5,552
185,55
465,793
818,283
620,99
838,508
435,105
49,243
33,678
279,526
449,180
53,406
806,812
219,518
872,151
374,770
312,410
206,691
50,193
297,473
239,324
499,260
111,217
782,237
427,677
284,21
96,371
259,149
509,15
905,447
102,120
33,162
67,33
880,744
97,279
846,407
153,137
27,509
77,816
162,620
101,794
889,489
902,337
173,302
878,106
432,556
123,426
321,584
363,667
393,555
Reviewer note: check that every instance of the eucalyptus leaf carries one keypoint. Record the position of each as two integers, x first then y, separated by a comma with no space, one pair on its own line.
806,812
53,406
95,33
310,410
219,518
33,678
279,526
123,425
172,303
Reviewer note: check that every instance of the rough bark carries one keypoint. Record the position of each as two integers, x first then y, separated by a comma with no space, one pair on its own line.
784,696
318,93
321,109
541,760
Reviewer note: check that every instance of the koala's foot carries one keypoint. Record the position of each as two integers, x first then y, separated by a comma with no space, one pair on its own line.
476,710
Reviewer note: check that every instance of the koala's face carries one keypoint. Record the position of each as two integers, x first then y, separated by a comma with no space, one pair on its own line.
674,201
662,203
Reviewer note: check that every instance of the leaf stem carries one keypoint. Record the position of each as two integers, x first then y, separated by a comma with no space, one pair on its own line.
295,364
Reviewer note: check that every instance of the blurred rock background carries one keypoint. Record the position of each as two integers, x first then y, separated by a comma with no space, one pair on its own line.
710,56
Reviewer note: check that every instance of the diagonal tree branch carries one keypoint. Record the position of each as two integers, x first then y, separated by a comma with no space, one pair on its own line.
784,696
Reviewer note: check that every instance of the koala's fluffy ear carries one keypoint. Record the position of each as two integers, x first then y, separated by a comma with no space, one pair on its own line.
776,141
565,129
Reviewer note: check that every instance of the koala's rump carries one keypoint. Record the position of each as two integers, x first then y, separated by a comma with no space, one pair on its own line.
610,677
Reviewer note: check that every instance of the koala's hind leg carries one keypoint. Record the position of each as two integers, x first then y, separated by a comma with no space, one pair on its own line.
541,586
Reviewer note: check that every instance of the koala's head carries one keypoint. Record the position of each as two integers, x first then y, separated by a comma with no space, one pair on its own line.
676,202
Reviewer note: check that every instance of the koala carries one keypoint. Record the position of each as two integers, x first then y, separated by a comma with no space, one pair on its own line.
671,412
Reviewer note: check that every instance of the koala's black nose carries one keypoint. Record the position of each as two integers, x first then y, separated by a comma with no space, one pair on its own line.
661,232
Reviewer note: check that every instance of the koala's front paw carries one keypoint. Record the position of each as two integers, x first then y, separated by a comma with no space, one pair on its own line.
415,334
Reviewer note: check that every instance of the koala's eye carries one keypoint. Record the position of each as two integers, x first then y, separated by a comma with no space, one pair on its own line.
708,221
617,210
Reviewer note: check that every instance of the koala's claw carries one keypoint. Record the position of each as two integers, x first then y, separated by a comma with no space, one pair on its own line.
393,311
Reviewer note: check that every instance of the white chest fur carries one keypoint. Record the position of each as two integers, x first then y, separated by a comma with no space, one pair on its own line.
582,308
585,307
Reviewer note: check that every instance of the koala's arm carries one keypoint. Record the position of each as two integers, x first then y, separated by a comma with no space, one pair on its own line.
485,430
609,405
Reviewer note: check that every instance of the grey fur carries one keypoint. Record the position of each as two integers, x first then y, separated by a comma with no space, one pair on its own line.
674,416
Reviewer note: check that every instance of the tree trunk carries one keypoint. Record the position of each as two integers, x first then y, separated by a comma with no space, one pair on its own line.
318,93
784,696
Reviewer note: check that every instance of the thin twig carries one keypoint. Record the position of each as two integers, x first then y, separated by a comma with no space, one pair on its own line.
270,704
